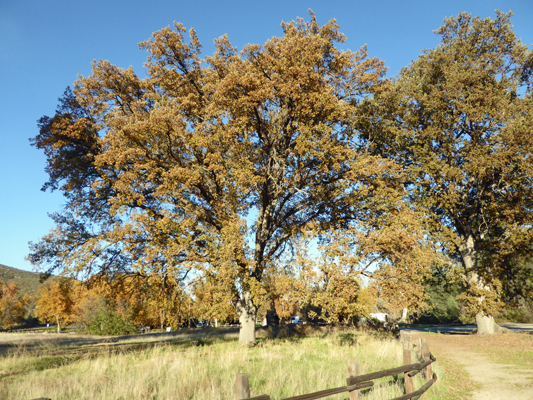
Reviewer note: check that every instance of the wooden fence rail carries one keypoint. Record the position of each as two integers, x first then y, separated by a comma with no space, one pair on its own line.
355,382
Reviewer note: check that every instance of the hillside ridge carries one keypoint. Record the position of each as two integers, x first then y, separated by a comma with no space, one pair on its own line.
28,282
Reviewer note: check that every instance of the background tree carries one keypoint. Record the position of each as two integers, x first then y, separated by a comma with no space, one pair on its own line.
443,287
339,297
388,251
58,302
459,121
12,305
183,169
212,300
152,301
145,300
98,316
289,284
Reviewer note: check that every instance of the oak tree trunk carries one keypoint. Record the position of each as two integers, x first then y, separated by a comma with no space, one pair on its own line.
247,316
404,319
485,323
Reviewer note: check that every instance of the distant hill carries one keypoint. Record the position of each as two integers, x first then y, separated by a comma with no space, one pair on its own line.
28,281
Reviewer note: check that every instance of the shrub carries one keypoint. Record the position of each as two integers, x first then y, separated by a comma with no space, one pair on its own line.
521,315
109,322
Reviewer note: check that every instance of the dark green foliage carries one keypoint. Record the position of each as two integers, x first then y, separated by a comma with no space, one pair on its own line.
109,322
347,339
517,287
518,281
443,306
43,363
521,315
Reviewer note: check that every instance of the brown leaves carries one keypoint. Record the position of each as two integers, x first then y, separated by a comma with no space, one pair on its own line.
455,119
219,166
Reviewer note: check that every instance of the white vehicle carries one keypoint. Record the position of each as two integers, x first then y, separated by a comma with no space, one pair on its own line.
295,320
383,317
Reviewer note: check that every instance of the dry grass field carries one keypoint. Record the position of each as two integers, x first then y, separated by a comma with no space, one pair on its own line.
203,364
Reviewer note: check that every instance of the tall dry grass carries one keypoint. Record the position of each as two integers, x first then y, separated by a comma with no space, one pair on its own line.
207,370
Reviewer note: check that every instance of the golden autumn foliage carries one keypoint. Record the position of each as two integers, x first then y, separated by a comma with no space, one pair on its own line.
459,121
213,167
329,285
212,299
152,301
12,305
148,301
58,301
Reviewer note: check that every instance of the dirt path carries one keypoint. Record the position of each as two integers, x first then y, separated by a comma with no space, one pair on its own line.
478,354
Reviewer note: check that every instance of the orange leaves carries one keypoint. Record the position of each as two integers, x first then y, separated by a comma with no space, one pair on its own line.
215,297
218,165
12,305
154,301
453,120
58,301
339,296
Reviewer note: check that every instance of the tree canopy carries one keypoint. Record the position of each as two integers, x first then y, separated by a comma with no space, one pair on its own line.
12,304
215,166
459,121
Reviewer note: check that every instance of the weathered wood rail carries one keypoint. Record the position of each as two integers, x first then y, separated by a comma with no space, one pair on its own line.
355,382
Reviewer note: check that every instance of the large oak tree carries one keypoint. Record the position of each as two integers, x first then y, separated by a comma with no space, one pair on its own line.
213,166
459,119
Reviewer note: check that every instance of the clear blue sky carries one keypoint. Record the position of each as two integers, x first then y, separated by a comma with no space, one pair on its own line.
44,45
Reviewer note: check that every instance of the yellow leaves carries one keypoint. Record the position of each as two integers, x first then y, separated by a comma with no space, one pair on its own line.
337,294
391,249
191,152
481,298
152,301
448,120
214,299
12,305
58,300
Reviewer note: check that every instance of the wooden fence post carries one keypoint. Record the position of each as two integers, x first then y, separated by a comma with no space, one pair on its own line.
353,370
425,354
409,387
402,337
243,387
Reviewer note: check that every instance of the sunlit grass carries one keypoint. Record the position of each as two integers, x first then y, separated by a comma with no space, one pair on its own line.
523,358
203,369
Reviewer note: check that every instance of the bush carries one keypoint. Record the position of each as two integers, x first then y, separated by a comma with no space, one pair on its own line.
109,322
522,315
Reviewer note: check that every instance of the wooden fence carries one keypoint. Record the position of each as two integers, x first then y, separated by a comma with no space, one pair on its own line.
355,382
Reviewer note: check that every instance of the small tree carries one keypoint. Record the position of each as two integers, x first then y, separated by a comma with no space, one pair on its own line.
106,321
12,305
58,302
